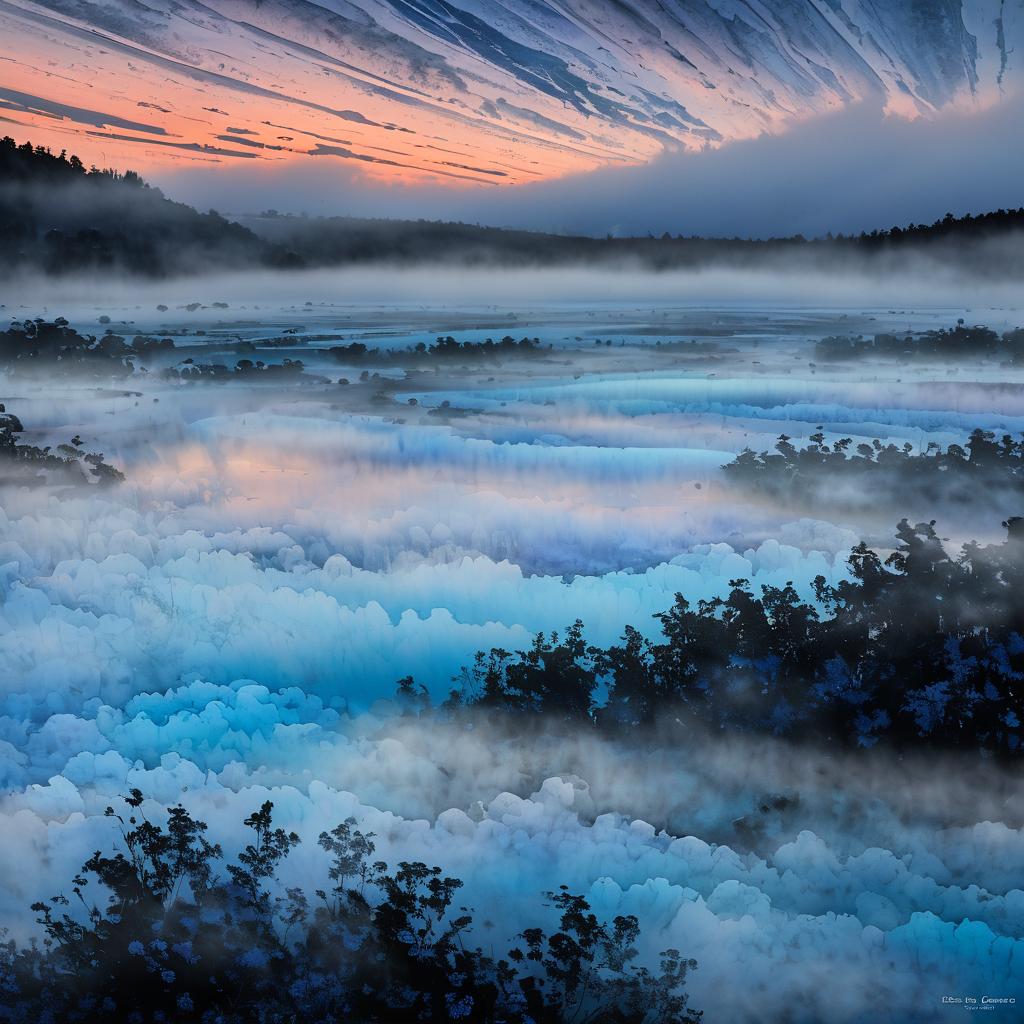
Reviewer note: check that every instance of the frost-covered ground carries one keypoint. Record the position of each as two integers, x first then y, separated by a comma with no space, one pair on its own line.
231,621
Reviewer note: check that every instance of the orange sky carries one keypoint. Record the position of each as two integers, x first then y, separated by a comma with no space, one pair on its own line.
409,91
122,104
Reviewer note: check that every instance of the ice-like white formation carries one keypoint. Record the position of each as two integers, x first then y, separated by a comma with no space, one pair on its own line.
122,603
895,906
221,629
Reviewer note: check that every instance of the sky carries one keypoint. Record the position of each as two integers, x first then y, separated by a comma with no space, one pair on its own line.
584,116
854,170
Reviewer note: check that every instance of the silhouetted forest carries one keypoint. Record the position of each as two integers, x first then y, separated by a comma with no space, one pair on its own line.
164,930
340,240
442,348
966,474
62,217
947,228
70,463
244,369
944,343
920,648
55,348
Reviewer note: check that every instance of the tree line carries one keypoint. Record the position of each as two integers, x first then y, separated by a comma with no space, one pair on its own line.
244,369
443,347
921,648
945,343
59,215
55,347
982,469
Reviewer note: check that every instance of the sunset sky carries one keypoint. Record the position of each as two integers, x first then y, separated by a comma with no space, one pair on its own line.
584,115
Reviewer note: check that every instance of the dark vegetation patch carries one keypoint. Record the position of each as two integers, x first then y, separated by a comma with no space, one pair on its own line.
987,470
244,369
952,343
445,347
918,649
70,463
164,929
59,216
57,349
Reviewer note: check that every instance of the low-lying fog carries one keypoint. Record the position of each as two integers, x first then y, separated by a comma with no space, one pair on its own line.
927,284
223,624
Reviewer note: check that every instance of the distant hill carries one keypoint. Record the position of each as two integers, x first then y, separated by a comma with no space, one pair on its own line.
986,243
59,216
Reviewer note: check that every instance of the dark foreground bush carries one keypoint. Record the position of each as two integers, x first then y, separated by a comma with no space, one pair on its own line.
154,932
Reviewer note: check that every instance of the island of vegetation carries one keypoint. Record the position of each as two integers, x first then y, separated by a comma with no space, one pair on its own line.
57,349
445,347
70,463
953,343
983,469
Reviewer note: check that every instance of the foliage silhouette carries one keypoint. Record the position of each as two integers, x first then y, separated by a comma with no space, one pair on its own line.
986,469
445,347
28,464
917,649
58,215
154,934
57,349
335,241
946,343
247,369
